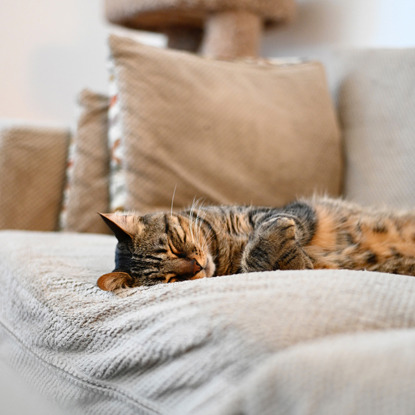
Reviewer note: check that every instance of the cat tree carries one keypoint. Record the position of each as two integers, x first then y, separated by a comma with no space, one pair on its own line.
216,28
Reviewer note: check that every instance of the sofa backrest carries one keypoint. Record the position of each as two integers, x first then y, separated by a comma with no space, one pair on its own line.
374,90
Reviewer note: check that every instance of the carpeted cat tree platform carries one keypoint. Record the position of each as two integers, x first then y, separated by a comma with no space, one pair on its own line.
217,28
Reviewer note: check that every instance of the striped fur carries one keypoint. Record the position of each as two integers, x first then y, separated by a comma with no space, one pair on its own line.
221,240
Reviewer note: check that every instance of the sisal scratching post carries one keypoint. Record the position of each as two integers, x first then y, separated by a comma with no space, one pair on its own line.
232,34
216,28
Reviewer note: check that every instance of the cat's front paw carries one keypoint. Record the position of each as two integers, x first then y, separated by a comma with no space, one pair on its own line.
274,246
280,227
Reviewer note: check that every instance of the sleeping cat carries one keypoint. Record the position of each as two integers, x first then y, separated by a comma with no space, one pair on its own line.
222,240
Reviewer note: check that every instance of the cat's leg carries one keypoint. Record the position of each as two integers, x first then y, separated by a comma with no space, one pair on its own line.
275,245
401,265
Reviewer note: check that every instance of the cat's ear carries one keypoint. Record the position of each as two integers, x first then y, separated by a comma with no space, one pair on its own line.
123,226
114,280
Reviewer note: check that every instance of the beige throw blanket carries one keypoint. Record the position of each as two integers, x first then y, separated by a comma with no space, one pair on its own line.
301,342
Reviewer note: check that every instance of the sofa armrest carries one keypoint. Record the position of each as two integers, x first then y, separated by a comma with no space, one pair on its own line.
32,176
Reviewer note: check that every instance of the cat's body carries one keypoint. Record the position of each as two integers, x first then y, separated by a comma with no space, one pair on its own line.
223,240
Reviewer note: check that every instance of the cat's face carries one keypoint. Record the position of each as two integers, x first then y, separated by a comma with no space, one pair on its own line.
156,248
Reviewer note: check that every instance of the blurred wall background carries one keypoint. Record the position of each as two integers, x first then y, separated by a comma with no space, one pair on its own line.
52,49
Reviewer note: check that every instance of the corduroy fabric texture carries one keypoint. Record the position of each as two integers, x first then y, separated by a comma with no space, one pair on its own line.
226,132
262,343
32,176
159,13
376,99
88,182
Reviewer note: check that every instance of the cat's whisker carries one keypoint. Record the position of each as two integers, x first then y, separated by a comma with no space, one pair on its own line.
199,205
197,225
204,241
192,223
172,200
191,228
205,244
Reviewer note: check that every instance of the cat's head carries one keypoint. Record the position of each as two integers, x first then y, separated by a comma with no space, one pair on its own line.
156,248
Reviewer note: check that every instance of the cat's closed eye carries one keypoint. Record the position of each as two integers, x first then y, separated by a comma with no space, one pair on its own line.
176,251
158,248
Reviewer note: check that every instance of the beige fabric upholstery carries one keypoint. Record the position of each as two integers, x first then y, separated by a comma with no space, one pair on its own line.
32,175
226,132
277,342
88,185
364,373
376,106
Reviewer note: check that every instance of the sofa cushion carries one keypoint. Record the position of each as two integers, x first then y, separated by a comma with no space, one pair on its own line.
202,346
226,132
32,176
361,373
376,98
87,190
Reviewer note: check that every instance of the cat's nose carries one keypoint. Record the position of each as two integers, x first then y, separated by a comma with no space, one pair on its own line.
196,267
185,268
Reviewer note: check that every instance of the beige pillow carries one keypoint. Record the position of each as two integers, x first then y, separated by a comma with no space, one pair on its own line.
87,190
32,176
226,132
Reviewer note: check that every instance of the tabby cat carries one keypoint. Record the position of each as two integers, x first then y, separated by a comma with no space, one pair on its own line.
222,240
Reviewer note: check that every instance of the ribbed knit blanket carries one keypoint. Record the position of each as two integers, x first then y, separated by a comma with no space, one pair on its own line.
284,342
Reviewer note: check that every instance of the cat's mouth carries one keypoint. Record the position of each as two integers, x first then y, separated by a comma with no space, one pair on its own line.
210,267
197,271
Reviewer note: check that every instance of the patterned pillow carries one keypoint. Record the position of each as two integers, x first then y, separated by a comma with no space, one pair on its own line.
225,132
86,192
115,143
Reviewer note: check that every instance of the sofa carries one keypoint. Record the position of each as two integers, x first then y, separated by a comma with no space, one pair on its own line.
282,342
